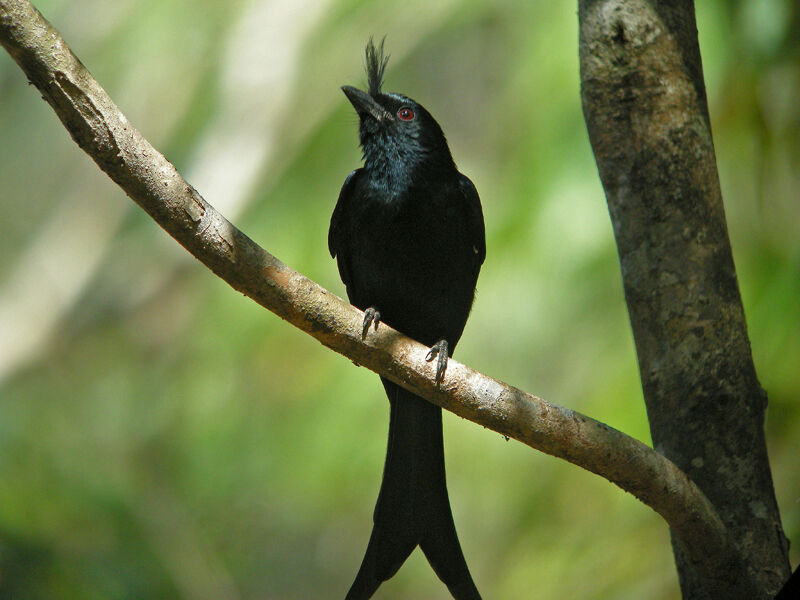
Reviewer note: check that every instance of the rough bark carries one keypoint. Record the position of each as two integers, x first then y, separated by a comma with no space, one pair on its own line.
645,107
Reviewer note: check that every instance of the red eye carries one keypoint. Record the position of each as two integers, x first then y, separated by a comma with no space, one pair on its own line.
405,113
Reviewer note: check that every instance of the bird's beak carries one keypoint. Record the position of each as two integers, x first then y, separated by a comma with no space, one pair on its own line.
365,104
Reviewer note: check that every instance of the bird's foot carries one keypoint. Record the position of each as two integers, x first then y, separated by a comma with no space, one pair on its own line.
442,350
371,315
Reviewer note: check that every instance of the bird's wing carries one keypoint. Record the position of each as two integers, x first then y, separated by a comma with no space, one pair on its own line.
337,235
477,230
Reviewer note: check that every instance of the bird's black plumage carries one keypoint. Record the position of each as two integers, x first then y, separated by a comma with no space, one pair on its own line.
408,236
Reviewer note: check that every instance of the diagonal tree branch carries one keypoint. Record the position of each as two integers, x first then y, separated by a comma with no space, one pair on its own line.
103,132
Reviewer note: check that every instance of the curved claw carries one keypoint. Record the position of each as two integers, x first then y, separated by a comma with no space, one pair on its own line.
442,350
371,315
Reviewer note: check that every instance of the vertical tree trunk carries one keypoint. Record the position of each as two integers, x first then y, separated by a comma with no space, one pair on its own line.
645,107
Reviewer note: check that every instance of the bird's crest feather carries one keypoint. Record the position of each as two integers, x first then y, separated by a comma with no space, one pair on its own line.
375,65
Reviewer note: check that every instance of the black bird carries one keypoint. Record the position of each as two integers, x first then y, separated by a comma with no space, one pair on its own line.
408,236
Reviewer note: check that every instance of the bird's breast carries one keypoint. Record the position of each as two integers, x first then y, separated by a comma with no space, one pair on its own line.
412,258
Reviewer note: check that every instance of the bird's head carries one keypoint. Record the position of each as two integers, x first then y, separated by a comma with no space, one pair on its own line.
396,133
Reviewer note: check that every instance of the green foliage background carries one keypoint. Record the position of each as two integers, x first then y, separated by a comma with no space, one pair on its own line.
161,436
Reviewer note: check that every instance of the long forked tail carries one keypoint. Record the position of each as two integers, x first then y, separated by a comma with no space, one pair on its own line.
413,508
